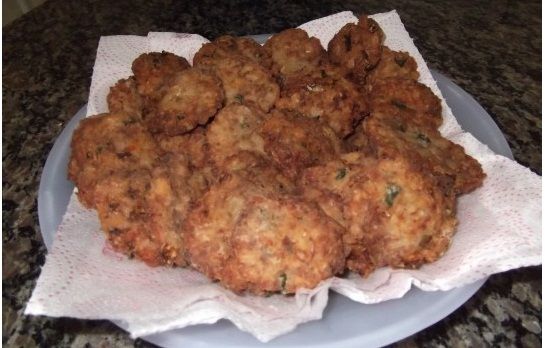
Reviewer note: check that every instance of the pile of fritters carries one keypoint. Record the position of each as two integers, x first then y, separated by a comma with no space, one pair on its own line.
271,168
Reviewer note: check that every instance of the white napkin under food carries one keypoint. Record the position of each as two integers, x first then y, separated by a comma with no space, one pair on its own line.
500,229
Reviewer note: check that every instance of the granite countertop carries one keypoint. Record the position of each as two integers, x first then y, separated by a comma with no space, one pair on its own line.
491,49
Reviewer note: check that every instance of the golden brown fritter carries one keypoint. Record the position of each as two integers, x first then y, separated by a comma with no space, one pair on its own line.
153,70
229,46
293,52
193,145
357,47
393,64
189,99
253,240
333,101
394,215
104,144
425,147
137,212
234,129
412,99
124,97
295,142
244,81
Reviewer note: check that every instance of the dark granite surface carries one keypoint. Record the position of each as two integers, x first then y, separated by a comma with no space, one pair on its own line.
491,49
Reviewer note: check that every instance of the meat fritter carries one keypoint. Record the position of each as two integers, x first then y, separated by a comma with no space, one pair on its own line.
229,46
394,64
412,99
244,81
254,240
189,99
136,209
394,215
153,70
357,47
193,145
104,144
259,171
293,52
124,97
294,142
425,147
234,129
334,101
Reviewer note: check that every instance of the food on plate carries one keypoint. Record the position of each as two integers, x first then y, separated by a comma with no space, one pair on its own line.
252,239
336,102
293,52
393,64
124,98
394,214
152,70
104,144
244,81
137,212
357,47
234,129
425,146
294,142
272,168
230,46
409,98
190,98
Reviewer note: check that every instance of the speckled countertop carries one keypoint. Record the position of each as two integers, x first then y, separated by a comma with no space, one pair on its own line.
491,49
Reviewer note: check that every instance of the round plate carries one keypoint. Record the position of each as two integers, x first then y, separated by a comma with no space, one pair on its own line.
345,323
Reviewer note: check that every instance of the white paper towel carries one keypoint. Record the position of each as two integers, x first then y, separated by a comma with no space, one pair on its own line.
500,229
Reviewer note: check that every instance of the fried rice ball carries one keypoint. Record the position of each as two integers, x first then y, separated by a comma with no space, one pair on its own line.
250,239
294,142
357,47
234,129
104,144
424,146
293,52
229,46
411,98
333,101
244,81
189,99
394,64
124,97
394,215
152,70
137,213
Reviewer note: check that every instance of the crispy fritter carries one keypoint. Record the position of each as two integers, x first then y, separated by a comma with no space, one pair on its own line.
394,64
259,171
124,97
244,81
189,99
425,147
294,142
412,99
153,70
193,145
229,46
394,215
357,47
293,52
333,101
104,144
136,209
234,129
254,240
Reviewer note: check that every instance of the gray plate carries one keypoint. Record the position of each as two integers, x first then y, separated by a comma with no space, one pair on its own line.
345,323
